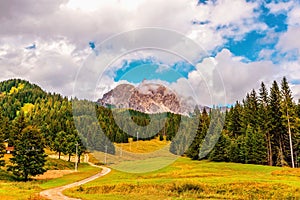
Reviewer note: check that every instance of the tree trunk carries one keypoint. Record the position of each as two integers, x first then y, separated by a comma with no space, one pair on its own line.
59,155
281,153
25,176
290,138
79,158
270,155
69,159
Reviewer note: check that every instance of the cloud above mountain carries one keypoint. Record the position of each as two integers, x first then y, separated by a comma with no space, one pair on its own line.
248,41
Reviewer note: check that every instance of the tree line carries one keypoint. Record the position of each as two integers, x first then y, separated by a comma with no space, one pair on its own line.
261,129
47,124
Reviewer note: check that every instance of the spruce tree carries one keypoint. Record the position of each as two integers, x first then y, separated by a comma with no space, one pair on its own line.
255,147
288,118
29,156
2,148
193,151
265,120
234,124
2,138
276,129
18,125
221,149
60,143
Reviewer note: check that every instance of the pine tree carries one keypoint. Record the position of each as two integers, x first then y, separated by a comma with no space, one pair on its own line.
193,151
250,111
29,156
212,133
221,149
276,129
18,125
265,120
234,124
254,146
2,138
60,143
2,148
288,117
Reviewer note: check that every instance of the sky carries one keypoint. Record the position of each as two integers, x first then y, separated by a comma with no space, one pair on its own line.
231,46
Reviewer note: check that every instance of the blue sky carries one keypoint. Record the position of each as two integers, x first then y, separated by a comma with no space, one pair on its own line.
249,47
248,41
135,71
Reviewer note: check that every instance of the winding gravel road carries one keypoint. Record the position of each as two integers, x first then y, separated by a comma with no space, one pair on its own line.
56,193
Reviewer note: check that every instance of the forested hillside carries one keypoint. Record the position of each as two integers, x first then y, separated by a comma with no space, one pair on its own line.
261,129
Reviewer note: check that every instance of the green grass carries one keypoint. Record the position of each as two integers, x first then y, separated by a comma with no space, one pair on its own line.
14,190
85,171
146,165
58,164
138,156
143,146
183,179
186,179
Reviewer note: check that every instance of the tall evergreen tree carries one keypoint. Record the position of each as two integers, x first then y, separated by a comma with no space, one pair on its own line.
18,125
265,120
2,138
60,143
255,147
289,118
234,124
29,155
221,149
193,151
2,147
276,129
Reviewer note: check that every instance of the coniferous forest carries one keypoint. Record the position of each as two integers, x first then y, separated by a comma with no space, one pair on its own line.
263,128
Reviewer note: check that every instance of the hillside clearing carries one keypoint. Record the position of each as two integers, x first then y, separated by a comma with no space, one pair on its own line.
186,179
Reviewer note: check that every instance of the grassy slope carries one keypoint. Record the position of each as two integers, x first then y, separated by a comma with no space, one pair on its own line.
143,146
10,189
186,179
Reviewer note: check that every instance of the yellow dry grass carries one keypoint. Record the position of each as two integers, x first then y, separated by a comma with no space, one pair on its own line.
51,174
141,146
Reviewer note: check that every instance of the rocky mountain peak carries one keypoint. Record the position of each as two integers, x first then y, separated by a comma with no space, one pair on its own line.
146,97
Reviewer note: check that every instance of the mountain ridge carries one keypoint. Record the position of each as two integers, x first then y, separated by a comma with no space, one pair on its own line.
147,97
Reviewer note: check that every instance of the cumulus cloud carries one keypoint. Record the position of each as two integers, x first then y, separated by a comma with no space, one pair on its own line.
62,31
289,40
280,7
225,79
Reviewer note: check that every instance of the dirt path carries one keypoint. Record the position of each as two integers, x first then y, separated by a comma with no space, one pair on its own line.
56,193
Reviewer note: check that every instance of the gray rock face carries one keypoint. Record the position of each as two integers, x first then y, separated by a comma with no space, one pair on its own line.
146,97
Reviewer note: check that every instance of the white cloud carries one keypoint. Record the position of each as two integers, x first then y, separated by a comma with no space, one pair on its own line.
51,65
291,70
266,54
294,15
225,79
62,30
280,7
162,68
296,91
289,40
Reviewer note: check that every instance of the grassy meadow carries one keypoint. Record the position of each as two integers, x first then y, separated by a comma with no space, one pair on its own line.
182,179
12,189
143,146
187,179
